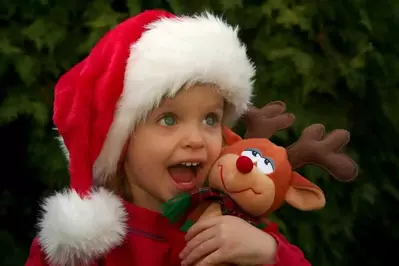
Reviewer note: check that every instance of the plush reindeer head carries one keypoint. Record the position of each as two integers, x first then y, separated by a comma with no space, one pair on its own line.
259,175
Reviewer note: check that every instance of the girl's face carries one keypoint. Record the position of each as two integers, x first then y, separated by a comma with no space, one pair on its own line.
174,148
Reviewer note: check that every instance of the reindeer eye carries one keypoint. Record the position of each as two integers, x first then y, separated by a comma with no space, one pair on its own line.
266,165
254,155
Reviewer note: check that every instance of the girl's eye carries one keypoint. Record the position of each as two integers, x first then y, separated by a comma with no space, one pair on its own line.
168,120
211,120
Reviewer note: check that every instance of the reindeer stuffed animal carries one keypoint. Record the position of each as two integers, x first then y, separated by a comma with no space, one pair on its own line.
254,177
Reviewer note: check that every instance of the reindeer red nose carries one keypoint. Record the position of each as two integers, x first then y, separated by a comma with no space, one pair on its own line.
244,164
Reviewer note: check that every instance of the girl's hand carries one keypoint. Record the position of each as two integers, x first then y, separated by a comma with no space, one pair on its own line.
227,239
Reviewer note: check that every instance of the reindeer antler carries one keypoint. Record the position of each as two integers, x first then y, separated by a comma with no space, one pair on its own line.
265,122
313,148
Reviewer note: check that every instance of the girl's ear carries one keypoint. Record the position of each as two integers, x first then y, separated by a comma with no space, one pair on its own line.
229,136
304,195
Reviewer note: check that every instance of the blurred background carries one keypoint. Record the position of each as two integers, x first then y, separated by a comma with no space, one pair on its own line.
332,62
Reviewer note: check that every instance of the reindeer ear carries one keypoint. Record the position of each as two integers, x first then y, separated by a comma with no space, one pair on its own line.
229,136
304,195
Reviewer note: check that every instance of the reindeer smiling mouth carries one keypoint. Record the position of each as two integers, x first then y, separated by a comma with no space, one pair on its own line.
234,191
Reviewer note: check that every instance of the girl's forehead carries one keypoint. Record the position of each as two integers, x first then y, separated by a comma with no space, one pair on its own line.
205,94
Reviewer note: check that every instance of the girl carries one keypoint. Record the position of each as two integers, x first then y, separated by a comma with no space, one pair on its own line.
141,118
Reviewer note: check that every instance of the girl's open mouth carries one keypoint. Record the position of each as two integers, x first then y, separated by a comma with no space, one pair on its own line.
185,174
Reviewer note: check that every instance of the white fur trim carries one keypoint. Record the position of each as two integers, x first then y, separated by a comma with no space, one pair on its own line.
75,230
169,55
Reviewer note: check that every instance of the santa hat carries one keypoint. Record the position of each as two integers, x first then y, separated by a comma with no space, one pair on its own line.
99,101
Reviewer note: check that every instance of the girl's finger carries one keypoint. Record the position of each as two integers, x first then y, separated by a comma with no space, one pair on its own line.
200,226
201,251
214,258
198,240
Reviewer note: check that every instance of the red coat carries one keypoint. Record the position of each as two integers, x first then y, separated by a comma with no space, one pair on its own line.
153,241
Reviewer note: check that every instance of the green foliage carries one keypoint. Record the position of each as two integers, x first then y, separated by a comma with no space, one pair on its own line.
334,62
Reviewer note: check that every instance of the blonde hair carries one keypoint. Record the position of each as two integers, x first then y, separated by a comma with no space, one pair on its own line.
120,184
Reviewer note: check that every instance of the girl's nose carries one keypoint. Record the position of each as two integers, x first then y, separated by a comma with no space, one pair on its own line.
244,164
195,139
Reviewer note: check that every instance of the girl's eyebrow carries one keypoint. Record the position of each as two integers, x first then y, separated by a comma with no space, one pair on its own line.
212,106
216,105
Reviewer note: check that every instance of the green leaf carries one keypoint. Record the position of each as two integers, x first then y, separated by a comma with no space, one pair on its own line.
304,19
305,231
390,99
281,53
309,85
44,33
231,4
304,62
105,20
15,106
269,6
134,7
358,61
369,193
365,20
100,16
7,48
36,31
176,6
391,190
27,68
355,81
91,40
288,18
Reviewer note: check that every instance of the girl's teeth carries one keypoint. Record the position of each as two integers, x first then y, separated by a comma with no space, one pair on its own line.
190,164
